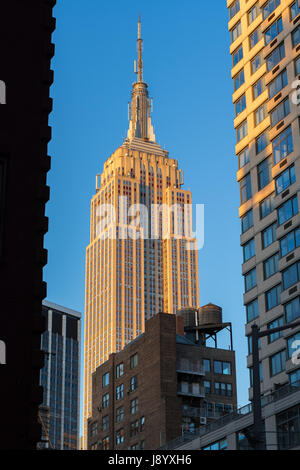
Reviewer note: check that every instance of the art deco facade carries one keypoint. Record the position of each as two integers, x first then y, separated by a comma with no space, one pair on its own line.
265,50
133,270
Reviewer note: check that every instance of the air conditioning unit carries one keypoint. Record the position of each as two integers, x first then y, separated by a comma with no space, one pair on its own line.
203,420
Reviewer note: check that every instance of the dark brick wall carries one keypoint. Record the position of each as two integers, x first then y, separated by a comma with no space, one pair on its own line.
25,54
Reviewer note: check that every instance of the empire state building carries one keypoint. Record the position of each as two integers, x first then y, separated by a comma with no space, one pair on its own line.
133,269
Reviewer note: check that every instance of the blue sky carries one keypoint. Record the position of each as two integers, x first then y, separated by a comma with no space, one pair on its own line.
187,67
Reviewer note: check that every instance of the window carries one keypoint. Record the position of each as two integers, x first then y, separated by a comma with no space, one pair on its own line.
134,406
296,36
120,436
120,414
234,9
250,280
271,266
247,221
245,188
206,363
273,297
105,443
269,7
142,423
134,428
207,387
249,250
277,363
105,379
142,445
292,310
282,145
105,423
267,206
257,62
290,242
273,30
224,389
291,275
240,105
221,367
297,66
264,173
275,57
269,235
236,31
295,377
287,210
250,349
120,392
280,112
133,361
288,428
252,310
242,131
120,370
94,429
133,383
293,343
105,400
262,141
278,84
295,9
260,114
255,37
275,324
220,445
244,157
237,55
258,88
253,13
238,80
285,179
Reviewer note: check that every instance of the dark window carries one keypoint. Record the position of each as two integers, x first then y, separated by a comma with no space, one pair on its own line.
245,188
285,179
288,428
291,275
292,310
239,79
273,297
264,173
269,235
280,112
262,141
252,310
221,367
275,324
250,280
282,145
296,36
277,362
273,30
120,370
287,210
247,221
278,84
275,57
271,266
105,379
249,250
295,9
133,361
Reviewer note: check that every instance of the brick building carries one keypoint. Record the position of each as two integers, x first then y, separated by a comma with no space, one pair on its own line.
164,381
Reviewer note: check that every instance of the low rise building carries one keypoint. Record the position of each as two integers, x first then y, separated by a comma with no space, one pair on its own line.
165,382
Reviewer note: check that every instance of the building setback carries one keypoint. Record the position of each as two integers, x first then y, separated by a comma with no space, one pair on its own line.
60,378
159,385
265,43
25,79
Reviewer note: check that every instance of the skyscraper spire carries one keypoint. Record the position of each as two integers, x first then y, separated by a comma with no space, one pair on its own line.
140,125
140,53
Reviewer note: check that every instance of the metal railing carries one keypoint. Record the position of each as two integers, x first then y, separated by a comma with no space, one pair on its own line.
193,390
190,367
237,414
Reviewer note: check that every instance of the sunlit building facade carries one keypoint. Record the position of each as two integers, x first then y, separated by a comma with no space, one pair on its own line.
265,51
137,262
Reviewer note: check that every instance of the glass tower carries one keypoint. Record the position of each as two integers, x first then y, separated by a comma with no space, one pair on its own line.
60,378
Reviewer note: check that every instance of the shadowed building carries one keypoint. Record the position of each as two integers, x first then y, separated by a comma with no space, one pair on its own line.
25,80
165,382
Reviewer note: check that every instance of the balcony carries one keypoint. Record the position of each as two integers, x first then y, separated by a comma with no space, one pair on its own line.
191,390
188,366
